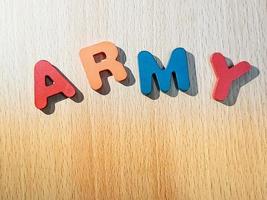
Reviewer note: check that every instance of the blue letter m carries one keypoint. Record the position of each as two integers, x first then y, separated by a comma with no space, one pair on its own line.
176,68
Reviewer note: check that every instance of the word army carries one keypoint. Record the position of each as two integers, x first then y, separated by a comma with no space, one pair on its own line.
103,57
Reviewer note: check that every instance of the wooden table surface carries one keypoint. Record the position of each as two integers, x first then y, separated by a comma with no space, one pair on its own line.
124,145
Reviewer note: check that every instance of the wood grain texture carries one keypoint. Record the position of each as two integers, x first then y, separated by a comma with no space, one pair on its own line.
124,145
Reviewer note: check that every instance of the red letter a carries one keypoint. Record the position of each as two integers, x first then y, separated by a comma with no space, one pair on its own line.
43,69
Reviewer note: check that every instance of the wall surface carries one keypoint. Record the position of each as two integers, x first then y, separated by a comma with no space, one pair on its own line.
124,145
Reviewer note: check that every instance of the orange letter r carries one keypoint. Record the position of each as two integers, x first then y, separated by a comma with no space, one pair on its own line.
101,57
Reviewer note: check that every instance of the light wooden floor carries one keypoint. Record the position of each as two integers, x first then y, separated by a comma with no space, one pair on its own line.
124,145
